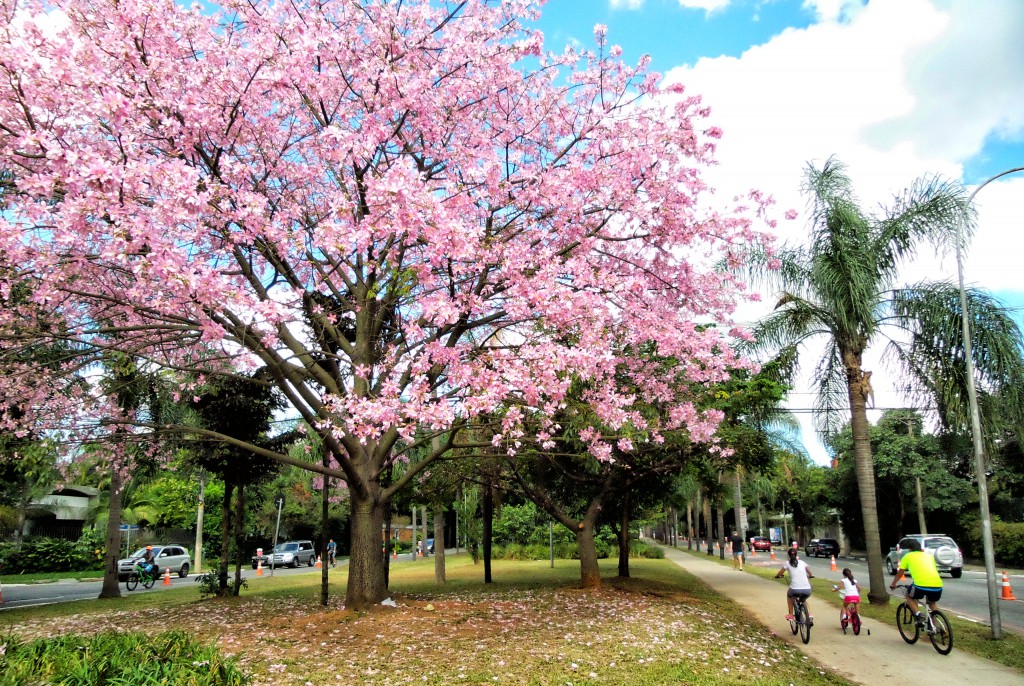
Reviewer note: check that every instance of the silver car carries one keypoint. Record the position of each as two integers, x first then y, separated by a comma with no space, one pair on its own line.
288,554
169,556
947,554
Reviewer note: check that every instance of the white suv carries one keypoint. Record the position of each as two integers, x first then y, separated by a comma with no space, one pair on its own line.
944,549
171,556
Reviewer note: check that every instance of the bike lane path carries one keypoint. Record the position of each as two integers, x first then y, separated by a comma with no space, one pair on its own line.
866,659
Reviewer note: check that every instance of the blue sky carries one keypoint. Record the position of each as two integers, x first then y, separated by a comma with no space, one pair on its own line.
894,88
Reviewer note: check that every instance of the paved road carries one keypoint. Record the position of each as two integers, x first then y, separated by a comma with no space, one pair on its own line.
26,595
877,658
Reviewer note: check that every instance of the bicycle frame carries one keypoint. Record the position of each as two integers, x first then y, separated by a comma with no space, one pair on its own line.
935,624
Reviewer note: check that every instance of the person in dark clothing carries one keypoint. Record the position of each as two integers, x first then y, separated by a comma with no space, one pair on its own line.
737,550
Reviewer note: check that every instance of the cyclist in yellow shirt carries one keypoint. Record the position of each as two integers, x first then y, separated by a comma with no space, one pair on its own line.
920,566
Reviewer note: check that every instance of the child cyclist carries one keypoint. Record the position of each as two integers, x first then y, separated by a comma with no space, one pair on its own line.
850,590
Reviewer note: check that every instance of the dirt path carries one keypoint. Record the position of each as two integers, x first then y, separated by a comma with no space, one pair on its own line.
876,659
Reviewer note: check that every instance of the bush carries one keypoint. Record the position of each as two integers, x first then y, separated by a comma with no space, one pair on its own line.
1008,539
52,555
127,659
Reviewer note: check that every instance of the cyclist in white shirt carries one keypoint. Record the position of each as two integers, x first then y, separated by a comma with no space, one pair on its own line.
800,576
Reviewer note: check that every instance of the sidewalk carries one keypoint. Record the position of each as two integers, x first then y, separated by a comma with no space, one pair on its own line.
866,659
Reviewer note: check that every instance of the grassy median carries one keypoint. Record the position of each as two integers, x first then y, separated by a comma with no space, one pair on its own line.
531,626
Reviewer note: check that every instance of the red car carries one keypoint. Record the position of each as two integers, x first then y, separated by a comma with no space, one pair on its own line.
760,543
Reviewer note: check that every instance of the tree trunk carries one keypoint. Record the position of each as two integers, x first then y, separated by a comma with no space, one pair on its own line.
112,540
760,517
386,544
239,537
689,525
719,504
623,535
488,524
865,471
423,525
590,574
439,570
923,528
415,532
225,540
708,534
366,585
324,523
737,505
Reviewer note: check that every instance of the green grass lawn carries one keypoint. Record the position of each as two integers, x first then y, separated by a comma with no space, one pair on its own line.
49,577
968,636
533,625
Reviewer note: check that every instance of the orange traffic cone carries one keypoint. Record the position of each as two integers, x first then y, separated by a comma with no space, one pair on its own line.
396,553
167,576
753,552
1007,591
772,551
259,567
834,568
318,562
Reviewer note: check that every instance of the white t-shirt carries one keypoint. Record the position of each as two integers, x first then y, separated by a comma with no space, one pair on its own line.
798,580
849,588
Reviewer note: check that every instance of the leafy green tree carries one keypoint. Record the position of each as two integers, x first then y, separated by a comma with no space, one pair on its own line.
843,287
903,455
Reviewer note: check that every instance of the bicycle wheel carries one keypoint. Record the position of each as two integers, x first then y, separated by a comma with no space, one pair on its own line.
942,637
149,581
907,623
133,581
792,622
804,620
855,622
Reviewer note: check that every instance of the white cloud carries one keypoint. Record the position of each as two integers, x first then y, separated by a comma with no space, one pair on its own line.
708,6
626,4
896,89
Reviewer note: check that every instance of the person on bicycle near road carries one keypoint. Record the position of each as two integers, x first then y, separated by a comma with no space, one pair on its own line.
850,590
926,582
737,550
332,550
800,576
149,562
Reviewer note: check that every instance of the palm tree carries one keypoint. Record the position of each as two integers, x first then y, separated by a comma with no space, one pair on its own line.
843,287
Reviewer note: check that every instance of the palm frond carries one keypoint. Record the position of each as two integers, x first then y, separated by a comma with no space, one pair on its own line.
932,209
932,313
832,401
796,320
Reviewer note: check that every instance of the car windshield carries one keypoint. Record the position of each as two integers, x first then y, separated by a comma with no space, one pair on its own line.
939,542
286,547
141,552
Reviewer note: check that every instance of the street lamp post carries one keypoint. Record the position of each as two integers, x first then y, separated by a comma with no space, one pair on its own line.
979,456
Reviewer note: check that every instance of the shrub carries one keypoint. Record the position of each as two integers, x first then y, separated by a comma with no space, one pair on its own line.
52,555
1008,540
127,659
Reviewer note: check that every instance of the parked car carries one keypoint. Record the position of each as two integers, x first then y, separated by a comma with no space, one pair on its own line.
171,556
290,554
822,547
760,543
947,554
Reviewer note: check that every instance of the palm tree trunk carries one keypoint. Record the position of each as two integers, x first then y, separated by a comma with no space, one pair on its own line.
719,504
865,470
920,506
623,536
225,540
324,521
239,537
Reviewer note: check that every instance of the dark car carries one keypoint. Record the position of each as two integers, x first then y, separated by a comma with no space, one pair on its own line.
760,543
819,547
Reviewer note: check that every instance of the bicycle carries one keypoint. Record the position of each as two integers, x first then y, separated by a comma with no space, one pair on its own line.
140,576
851,618
801,621
934,624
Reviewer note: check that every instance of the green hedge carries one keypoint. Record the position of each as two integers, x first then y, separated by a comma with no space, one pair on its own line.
52,555
1008,539
121,659
569,551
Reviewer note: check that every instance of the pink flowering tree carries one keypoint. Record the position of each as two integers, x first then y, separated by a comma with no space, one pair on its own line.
408,212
